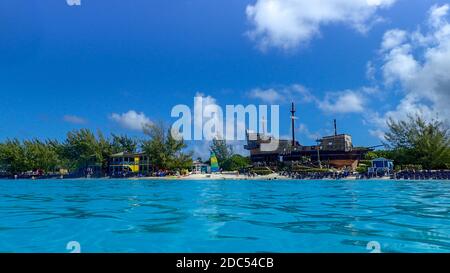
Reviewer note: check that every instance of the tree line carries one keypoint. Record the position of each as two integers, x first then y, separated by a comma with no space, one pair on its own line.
416,143
83,148
228,160
411,142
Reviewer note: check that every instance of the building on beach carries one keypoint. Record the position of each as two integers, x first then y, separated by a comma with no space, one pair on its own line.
129,163
382,165
335,151
336,142
199,167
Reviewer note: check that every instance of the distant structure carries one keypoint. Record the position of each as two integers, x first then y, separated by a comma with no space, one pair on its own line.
293,124
129,163
335,151
214,163
198,167
335,127
381,165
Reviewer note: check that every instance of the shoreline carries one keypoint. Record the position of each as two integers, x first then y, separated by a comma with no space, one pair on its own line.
228,177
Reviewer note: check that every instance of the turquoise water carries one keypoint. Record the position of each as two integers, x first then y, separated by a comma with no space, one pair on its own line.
224,216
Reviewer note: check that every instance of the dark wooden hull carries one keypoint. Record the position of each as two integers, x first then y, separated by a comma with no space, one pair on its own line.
299,155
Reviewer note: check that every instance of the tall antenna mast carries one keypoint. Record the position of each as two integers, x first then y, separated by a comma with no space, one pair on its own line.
335,128
263,125
293,124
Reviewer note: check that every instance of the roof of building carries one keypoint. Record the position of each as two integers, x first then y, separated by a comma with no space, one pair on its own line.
382,159
122,154
333,136
196,162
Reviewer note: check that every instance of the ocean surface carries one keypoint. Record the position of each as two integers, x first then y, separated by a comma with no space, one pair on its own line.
224,216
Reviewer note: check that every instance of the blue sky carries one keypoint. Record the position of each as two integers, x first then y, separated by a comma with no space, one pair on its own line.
65,67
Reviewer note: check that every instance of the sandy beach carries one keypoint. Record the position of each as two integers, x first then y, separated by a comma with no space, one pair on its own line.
223,176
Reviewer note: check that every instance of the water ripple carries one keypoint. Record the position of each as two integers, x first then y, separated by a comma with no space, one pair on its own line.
224,216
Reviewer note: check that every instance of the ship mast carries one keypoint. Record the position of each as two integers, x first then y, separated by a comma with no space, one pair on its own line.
293,124
263,121
335,128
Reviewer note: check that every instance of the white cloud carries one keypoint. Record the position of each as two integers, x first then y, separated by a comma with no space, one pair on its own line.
266,95
285,94
201,148
370,71
380,134
420,64
400,64
393,38
416,62
304,130
207,100
289,23
409,105
200,121
74,119
348,101
344,102
437,15
131,120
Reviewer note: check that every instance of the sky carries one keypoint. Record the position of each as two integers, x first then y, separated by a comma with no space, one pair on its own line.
114,65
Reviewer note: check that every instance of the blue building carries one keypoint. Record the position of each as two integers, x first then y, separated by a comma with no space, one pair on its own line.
382,165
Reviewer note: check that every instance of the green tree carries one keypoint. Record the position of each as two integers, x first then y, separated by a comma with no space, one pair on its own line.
103,150
30,155
41,155
123,143
416,141
433,146
164,150
377,154
12,157
178,160
235,163
59,149
154,147
221,149
82,149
